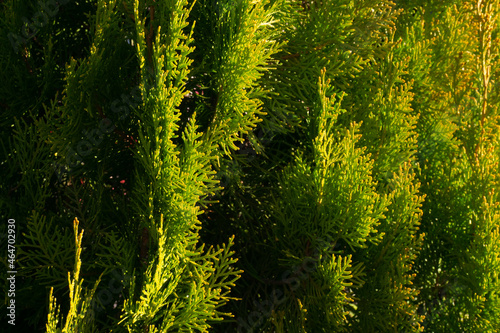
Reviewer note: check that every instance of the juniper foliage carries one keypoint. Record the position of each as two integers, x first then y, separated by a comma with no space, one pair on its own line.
251,165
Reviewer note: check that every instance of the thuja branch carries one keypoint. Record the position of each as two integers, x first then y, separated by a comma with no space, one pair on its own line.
150,34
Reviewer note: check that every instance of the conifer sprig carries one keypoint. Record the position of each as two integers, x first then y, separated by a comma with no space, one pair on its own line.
79,317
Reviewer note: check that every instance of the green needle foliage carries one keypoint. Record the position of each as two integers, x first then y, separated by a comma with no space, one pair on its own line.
78,317
250,165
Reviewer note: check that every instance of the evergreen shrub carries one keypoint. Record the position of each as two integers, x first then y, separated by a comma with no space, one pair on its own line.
250,166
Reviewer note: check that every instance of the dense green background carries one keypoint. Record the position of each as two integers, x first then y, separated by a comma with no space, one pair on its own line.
340,156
